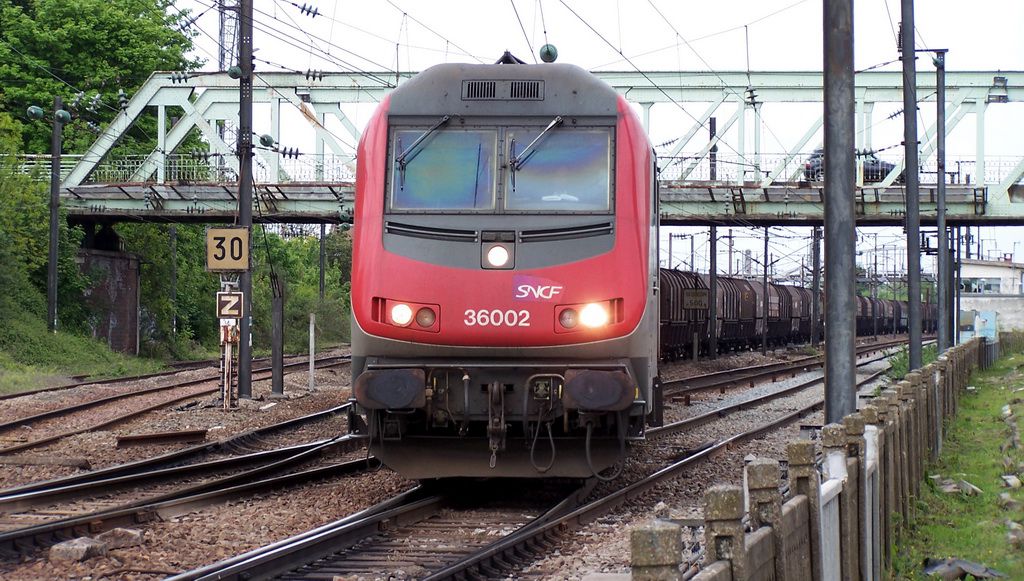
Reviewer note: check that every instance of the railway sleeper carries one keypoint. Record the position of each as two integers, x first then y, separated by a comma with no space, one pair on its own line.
490,570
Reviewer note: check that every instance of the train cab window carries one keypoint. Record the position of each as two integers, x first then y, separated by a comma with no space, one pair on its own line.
443,169
566,170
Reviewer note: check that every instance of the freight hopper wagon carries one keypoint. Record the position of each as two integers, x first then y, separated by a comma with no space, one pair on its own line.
741,320
505,321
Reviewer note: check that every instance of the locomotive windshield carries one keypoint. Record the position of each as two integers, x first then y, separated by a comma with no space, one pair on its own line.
550,168
564,170
448,169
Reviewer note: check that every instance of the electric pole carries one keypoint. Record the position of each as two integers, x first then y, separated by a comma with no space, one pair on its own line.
840,216
56,138
911,180
713,294
245,190
764,298
940,207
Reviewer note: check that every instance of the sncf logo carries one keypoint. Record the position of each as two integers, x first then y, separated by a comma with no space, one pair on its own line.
526,291
528,288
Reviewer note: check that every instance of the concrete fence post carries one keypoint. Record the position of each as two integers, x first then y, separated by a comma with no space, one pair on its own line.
923,405
909,407
855,450
873,415
804,479
909,401
892,419
887,440
656,549
950,379
934,410
763,479
723,529
906,446
940,404
834,445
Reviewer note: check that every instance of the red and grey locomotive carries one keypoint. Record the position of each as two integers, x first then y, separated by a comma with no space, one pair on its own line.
505,321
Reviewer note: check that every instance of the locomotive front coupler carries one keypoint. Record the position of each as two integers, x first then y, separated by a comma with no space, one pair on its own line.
496,428
356,425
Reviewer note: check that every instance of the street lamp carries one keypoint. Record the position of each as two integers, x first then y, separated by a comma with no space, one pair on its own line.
60,118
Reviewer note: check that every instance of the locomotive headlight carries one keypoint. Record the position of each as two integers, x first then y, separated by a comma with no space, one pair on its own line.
594,315
497,256
425,317
568,318
401,314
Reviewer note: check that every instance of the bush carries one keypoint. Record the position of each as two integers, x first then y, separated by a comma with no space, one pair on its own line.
899,364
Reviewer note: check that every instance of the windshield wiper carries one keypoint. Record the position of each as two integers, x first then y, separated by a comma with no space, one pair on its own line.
409,154
516,162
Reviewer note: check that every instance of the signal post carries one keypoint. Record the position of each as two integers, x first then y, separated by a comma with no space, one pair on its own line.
227,253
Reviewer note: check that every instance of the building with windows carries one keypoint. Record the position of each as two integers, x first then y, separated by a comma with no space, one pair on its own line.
994,285
991,277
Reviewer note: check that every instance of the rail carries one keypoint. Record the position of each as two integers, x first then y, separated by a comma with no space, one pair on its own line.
516,548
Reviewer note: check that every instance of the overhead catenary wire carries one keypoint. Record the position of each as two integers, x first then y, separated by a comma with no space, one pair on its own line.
432,31
713,34
529,45
543,24
642,73
710,68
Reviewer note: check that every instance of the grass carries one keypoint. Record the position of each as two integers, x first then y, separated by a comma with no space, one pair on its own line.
31,357
900,362
95,361
970,527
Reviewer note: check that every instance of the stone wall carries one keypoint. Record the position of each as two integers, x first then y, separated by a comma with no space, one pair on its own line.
1009,307
113,298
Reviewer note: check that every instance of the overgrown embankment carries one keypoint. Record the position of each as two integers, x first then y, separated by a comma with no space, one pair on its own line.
979,448
31,356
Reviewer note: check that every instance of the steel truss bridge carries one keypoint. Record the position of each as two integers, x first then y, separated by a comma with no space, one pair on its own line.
742,185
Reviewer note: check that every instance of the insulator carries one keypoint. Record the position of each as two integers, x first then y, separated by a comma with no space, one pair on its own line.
310,10
314,75
94,103
93,126
179,77
77,101
187,24
122,99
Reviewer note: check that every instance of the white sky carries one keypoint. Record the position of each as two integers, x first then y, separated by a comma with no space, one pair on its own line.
375,35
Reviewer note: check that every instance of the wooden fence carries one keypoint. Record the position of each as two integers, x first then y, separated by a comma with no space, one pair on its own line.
832,524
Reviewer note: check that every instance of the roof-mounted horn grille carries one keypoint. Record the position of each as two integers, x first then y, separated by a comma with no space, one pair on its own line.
502,90
527,90
478,90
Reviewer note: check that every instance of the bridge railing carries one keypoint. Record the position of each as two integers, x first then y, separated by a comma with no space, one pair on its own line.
38,166
331,168
729,167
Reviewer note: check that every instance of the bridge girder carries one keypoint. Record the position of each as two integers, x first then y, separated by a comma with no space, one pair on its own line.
154,186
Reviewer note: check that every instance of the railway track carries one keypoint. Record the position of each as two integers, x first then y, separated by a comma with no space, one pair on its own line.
175,367
748,376
426,537
256,439
124,415
23,531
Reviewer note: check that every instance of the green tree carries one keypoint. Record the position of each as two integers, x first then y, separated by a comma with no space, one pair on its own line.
196,288
59,47
24,226
296,262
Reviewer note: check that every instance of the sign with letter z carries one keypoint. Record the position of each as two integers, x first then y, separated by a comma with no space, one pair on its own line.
229,305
